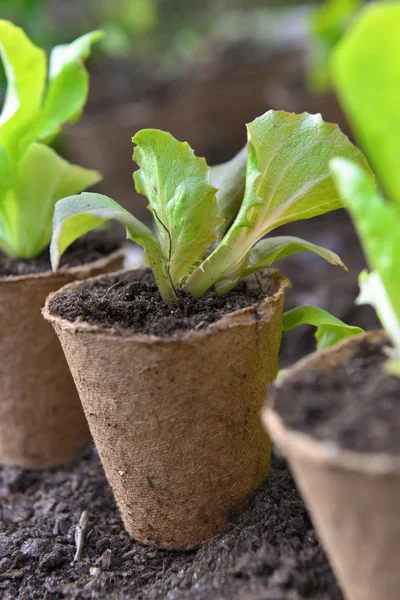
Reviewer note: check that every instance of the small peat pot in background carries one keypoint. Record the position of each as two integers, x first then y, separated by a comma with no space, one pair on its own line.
41,420
41,423
174,414
335,415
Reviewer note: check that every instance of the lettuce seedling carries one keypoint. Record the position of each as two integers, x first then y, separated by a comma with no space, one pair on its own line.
210,221
366,69
38,102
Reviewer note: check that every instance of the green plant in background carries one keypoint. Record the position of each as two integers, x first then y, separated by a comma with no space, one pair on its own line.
329,329
366,71
29,14
39,100
328,25
212,238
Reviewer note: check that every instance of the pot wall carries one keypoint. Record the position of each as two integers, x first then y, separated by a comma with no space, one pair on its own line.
41,420
177,421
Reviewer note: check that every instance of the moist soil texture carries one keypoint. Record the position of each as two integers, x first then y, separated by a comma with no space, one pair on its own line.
270,553
356,406
89,248
132,301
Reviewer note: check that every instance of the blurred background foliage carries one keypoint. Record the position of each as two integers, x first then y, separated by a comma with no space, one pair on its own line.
167,32
198,69
201,70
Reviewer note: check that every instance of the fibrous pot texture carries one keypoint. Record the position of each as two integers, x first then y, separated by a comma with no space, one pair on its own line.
176,420
41,420
353,497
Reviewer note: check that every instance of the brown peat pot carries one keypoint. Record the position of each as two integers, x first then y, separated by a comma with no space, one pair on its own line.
353,497
176,420
42,424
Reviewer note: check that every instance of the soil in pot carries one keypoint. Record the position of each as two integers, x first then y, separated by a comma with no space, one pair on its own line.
271,552
355,406
132,301
89,248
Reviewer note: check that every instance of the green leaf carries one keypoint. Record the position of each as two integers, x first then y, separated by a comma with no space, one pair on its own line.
268,251
378,226
366,70
230,180
330,330
43,177
76,215
68,84
328,24
181,198
288,179
25,68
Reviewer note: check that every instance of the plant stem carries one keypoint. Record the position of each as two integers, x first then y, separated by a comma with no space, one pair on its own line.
158,267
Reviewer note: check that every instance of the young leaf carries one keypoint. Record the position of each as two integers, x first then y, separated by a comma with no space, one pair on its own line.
76,215
330,330
25,68
288,179
42,179
33,177
230,180
68,84
268,251
181,198
378,226
366,71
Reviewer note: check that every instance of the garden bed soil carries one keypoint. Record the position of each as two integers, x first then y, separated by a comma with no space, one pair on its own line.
131,301
270,552
355,406
93,246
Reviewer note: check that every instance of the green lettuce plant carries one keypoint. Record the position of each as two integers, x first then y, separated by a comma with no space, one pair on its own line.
366,70
39,100
210,222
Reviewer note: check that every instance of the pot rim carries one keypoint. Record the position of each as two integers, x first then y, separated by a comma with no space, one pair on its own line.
77,271
235,318
329,454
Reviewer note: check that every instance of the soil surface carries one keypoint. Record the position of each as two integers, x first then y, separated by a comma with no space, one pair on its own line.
135,303
271,552
91,247
356,406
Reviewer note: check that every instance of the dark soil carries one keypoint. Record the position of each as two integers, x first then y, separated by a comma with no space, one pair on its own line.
270,553
357,406
135,303
91,247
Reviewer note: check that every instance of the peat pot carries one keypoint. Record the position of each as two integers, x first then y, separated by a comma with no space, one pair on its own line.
176,420
42,424
353,496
